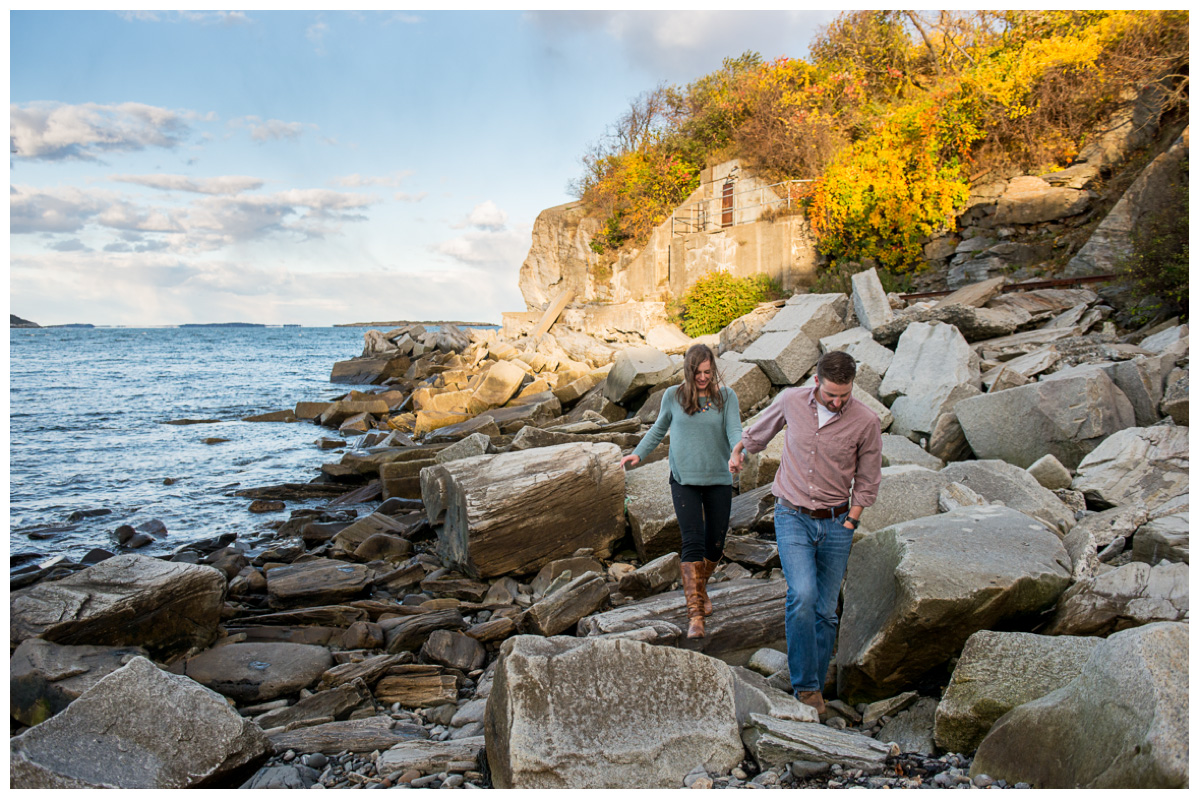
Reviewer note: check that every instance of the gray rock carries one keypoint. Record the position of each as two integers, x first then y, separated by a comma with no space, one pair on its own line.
899,450
1066,418
634,371
955,495
738,335
862,347
749,383
999,671
1014,487
429,757
1132,595
777,742
1159,342
474,445
1131,377
755,695
1111,523
651,578
453,649
931,360
169,732
1135,465
766,661
253,672
911,730
336,703
905,492
887,707
1163,539
1175,401
44,678
600,713
1083,552
871,305
917,417
817,315
166,607
1121,723
1050,473
283,776
1029,199
650,510
915,592
560,610
576,565
784,356
354,735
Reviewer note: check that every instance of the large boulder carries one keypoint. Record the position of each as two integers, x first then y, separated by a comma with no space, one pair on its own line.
1166,538
570,713
1029,199
916,591
44,678
635,371
1135,465
905,492
1067,418
931,360
316,581
999,671
515,512
871,305
817,315
167,607
651,511
1132,595
255,672
749,383
784,356
998,481
859,344
138,728
1121,724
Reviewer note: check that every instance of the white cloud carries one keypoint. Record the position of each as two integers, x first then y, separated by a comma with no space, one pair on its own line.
272,129
486,216
209,222
56,131
682,46
499,250
227,18
224,184
316,34
357,181
405,197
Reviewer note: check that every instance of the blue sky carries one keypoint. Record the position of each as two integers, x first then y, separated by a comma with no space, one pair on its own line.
319,167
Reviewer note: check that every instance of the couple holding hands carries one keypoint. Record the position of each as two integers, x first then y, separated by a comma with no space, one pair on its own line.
829,472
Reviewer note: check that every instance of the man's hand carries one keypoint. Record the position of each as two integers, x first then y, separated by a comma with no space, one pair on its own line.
736,462
630,461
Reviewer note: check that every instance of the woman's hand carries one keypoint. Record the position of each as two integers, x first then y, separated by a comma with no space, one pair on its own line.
736,459
630,461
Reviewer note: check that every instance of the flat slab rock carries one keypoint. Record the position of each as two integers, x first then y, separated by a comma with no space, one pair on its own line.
166,607
428,756
138,728
254,672
777,742
356,735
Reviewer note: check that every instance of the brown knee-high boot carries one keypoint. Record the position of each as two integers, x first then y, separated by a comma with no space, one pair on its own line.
691,572
708,567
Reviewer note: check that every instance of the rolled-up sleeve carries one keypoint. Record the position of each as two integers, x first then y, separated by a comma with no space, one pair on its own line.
868,474
771,422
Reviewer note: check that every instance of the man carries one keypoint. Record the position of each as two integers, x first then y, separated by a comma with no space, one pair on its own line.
829,473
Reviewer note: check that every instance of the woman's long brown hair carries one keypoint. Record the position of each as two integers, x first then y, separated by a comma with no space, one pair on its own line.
688,395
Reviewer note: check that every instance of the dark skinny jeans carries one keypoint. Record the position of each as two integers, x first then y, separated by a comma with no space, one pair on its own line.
703,513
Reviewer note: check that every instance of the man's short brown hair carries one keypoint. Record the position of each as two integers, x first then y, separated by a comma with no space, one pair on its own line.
837,367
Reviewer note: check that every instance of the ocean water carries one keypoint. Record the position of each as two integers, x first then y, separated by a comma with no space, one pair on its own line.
86,427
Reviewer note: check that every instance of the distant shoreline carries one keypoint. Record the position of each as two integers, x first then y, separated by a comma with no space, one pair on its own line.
403,322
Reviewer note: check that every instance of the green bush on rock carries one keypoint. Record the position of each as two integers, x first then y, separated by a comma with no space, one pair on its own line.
719,298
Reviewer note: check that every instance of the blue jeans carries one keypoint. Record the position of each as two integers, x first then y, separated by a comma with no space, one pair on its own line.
813,553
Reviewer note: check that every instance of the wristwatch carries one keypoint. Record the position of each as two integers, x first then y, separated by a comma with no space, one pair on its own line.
853,522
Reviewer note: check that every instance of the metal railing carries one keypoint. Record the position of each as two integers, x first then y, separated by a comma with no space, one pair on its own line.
699,217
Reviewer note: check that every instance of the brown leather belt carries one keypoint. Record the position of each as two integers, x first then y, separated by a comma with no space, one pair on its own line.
817,513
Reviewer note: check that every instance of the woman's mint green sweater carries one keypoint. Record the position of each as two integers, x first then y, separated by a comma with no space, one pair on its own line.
700,443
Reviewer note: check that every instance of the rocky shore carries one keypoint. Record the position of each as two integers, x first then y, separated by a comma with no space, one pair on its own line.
488,600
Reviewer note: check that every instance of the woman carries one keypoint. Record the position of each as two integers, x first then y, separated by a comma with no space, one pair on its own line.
705,424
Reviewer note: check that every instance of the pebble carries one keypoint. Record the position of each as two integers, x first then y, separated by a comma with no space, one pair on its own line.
453,781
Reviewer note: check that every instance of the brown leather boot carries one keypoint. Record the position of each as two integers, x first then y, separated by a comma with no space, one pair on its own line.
813,699
708,568
690,572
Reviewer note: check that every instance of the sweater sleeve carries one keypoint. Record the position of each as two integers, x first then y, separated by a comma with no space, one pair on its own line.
733,418
659,429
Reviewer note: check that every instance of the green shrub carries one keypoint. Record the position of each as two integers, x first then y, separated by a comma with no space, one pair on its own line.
718,299
1158,261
